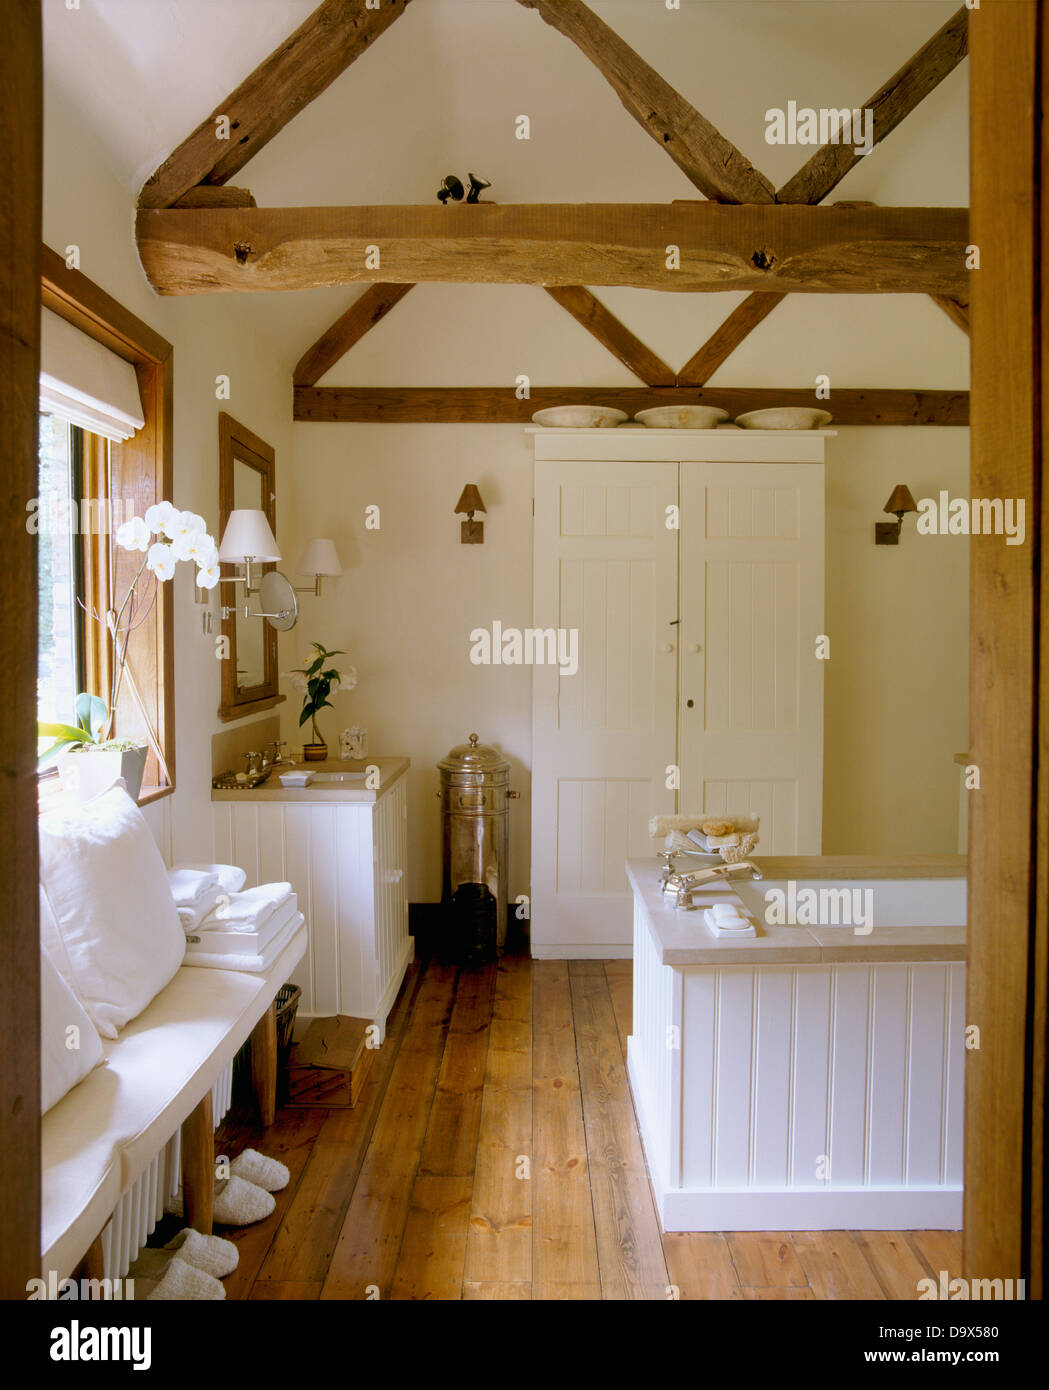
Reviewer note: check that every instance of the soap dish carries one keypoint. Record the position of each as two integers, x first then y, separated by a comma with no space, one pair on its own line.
296,779
727,933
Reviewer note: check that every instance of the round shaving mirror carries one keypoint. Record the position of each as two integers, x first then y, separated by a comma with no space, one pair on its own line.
279,604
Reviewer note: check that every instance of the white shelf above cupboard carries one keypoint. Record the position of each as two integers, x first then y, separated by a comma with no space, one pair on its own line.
347,860
691,562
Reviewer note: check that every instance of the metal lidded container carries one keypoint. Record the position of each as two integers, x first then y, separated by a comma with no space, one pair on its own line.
475,804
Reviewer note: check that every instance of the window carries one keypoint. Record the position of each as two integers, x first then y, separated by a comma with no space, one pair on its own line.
60,644
125,472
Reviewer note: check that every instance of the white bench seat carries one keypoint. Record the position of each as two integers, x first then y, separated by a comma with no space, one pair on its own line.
101,1136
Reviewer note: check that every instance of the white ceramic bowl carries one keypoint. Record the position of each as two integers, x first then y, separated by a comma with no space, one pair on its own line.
785,417
580,417
682,417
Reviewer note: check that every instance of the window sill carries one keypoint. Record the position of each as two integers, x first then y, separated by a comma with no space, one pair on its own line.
51,797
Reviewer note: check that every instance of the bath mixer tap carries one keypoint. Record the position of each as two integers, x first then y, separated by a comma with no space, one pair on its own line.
684,883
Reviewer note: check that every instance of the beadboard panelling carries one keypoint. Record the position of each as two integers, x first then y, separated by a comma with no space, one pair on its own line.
832,1079
347,862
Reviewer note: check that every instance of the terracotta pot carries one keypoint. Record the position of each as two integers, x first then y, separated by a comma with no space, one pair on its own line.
314,752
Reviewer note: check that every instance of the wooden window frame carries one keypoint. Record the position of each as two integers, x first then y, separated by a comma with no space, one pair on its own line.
140,470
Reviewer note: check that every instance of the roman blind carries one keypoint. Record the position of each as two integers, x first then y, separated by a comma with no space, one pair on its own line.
85,383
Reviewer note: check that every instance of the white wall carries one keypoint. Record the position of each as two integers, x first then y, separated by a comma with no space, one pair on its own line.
86,206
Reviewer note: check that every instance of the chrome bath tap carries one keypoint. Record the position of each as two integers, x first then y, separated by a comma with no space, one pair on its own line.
684,885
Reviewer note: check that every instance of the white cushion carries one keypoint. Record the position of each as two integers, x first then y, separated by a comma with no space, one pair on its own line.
69,1043
108,919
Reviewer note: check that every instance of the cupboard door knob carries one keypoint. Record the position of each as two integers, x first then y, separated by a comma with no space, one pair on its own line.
690,703
696,647
668,646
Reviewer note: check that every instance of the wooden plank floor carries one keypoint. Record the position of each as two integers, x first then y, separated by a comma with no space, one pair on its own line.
495,1154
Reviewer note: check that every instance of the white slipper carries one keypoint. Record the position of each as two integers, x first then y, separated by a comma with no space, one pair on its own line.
213,1255
182,1282
262,1171
237,1203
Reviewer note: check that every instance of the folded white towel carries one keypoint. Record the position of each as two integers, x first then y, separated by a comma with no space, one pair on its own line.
242,940
190,886
231,878
253,964
248,911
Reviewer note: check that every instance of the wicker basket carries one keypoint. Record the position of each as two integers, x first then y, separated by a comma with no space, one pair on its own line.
287,1002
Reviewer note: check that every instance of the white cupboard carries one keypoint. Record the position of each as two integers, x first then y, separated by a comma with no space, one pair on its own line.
690,562
347,861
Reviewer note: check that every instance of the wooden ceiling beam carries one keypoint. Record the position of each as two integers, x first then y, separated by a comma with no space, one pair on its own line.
699,150
891,103
602,324
306,63
710,246
495,405
362,316
957,310
724,340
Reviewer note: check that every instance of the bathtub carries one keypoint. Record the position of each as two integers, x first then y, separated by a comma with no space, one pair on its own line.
810,1078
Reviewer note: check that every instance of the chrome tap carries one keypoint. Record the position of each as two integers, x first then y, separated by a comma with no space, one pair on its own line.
278,759
684,885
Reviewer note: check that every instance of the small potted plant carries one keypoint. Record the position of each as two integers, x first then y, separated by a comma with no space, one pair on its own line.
319,680
89,758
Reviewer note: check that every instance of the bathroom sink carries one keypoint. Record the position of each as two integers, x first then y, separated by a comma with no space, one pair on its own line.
329,777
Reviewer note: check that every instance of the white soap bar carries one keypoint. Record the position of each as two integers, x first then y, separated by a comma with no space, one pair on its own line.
296,779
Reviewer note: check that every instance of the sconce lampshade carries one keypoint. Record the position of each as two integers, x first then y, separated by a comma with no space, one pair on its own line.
247,537
900,501
319,557
469,500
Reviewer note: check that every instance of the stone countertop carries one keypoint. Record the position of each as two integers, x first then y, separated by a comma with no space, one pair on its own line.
682,938
390,770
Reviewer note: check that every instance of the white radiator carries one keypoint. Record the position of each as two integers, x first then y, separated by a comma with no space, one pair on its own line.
142,1206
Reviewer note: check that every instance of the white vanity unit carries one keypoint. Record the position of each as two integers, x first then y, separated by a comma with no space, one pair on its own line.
690,565
343,846
810,1078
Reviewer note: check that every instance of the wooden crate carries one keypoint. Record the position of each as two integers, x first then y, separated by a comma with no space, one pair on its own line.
328,1068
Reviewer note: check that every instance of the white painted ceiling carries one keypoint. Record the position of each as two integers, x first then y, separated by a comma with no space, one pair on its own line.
440,90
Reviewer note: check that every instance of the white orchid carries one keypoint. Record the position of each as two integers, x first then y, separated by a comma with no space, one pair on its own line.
297,679
208,576
183,526
161,560
197,546
133,535
160,517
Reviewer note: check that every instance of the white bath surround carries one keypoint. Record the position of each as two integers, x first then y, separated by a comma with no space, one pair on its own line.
810,1078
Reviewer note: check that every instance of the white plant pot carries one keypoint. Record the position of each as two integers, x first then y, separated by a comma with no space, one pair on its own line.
85,775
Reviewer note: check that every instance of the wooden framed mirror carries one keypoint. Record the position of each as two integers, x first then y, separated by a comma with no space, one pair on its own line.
247,478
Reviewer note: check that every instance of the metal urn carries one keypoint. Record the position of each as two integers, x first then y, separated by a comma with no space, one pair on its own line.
475,808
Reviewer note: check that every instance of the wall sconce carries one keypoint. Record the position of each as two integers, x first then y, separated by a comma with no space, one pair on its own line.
248,540
900,503
321,559
470,532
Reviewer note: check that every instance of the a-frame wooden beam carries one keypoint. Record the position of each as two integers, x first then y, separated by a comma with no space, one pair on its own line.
894,100
724,340
818,177
307,62
586,309
699,150
362,316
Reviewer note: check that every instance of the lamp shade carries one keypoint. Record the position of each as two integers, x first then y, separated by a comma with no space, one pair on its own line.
319,557
469,500
901,500
247,537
